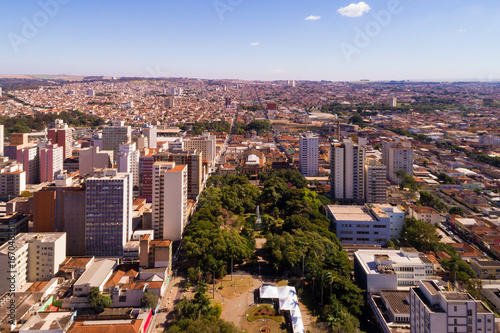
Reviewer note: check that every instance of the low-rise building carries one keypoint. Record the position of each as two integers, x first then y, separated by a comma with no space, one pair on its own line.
486,269
390,269
95,277
426,214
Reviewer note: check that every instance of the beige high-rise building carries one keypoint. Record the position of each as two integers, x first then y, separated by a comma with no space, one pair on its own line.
115,135
36,257
170,187
194,162
347,162
309,154
206,144
375,182
397,155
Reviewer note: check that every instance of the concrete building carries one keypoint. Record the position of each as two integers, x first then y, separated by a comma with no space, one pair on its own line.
169,200
426,214
194,162
146,161
115,135
13,224
309,155
151,134
395,214
61,135
28,156
206,144
62,209
108,214
1,132
356,225
92,158
127,161
155,253
433,310
169,102
392,310
12,179
486,269
347,162
380,269
397,155
375,182
95,276
31,257
51,162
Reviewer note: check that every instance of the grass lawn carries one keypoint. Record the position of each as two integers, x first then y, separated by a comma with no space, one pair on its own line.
229,289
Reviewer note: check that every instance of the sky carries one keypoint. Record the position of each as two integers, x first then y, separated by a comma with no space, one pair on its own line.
332,40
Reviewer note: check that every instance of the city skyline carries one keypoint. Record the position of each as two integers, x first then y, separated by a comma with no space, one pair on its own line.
237,39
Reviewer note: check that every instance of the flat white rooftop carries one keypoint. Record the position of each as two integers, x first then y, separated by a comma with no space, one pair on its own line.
398,258
350,213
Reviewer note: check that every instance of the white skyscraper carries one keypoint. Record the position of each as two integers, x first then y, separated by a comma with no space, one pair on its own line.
108,213
127,161
347,162
375,182
151,134
1,133
309,154
170,186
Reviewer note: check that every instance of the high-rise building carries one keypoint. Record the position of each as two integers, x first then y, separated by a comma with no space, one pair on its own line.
169,200
347,162
128,162
115,135
397,155
433,310
169,102
1,133
51,162
92,158
151,134
194,162
62,209
146,161
35,257
309,154
28,156
108,213
228,101
12,179
206,144
63,136
375,182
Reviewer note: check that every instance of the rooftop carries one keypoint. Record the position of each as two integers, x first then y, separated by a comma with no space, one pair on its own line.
24,238
397,300
350,213
97,272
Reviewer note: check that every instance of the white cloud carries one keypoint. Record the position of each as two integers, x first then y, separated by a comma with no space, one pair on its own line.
255,44
354,9
312,18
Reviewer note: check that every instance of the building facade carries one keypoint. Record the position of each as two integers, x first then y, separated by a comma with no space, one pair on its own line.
347,162
309,155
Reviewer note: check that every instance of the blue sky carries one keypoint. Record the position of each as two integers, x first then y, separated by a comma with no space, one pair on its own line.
253,39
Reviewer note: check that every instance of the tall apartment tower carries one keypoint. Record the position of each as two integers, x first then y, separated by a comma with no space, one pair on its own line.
12,179
347,162
375,182
51,162
206,144
1,134
397,155
62,135
61,208
108,214
169,102
92,158
127,161
194,162
115,135
37,257
28,156
434,311
309,154
169,200
151,134
146,161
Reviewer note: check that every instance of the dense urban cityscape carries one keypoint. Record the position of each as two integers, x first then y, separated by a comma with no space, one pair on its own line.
179,204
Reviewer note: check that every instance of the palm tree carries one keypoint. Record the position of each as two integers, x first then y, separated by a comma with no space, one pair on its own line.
329,278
